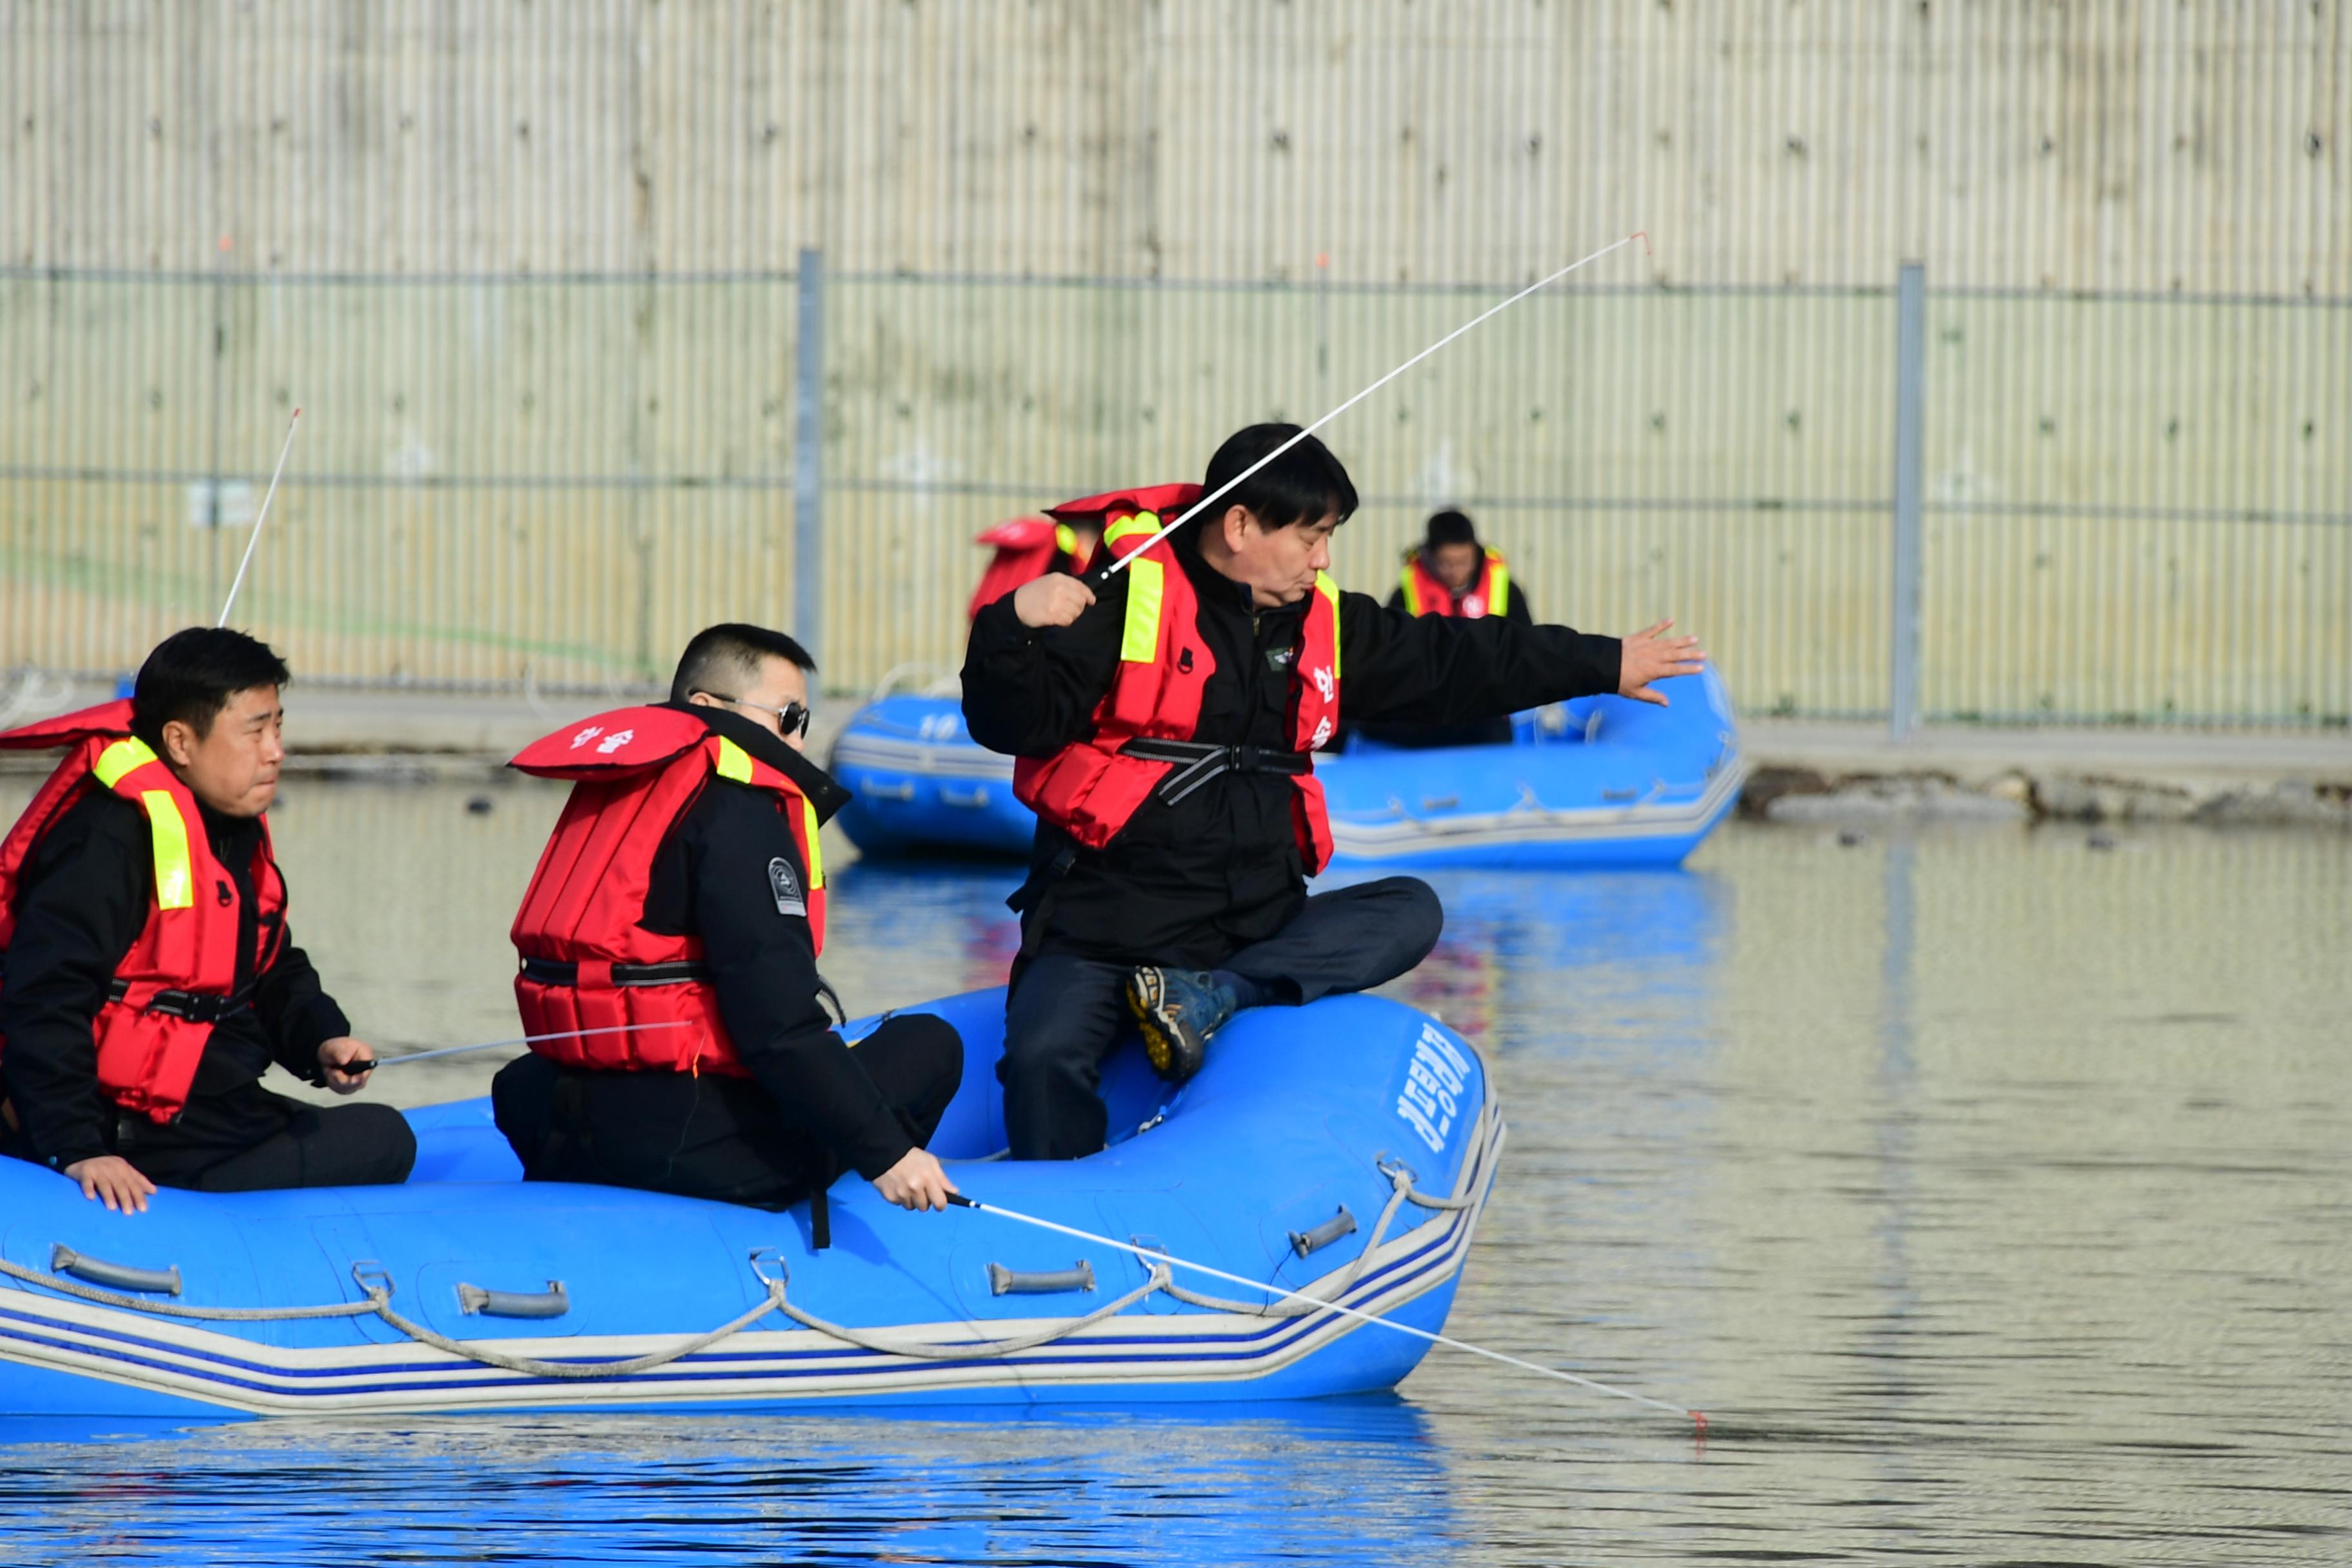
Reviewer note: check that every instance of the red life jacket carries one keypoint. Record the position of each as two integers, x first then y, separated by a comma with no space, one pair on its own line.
587,963
1425,592
1089,789
1027,548
180,971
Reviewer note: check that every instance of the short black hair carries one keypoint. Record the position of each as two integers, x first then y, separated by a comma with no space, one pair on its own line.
1301,486
192,675
722,660
1449,527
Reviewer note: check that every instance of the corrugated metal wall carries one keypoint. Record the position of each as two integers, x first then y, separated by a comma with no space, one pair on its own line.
529,269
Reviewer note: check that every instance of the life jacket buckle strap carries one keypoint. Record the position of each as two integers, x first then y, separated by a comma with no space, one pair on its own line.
1201,762
195,1006
555,972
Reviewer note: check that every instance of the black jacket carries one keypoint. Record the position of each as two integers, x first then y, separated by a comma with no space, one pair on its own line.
81,903
1188,884
711,880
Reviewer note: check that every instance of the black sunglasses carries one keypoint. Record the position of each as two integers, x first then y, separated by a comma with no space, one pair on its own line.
792,718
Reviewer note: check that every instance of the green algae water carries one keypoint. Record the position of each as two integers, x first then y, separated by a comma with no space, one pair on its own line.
1989,1189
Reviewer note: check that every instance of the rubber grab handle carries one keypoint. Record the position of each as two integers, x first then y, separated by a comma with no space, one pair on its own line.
972,802
64,1260
551,1302
1303,1242
1004,1281
888,791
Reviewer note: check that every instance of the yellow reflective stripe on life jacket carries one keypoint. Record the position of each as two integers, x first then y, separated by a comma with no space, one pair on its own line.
120,758
1147,583
734,762
1498,584
813,828
1142,523
175,878
1066,539
1330,589
1411,583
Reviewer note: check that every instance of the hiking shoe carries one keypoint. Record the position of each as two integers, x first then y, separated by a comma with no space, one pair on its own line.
1178,1009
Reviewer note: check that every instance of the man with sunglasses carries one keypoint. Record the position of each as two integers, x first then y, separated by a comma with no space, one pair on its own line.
669,942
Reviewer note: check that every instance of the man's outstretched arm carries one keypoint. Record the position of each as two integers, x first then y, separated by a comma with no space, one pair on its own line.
1440,670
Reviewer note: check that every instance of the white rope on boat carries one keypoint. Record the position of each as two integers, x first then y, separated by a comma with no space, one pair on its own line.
379,1298
1400,1178
172,1309
1068,1326
379,1290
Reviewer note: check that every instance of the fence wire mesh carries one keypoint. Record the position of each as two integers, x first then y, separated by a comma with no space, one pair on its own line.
2133,507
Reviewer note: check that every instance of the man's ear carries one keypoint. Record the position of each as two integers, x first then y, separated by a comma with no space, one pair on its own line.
180,739
1237,525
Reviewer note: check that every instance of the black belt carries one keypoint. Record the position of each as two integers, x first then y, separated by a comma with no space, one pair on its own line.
195,1006
683,971
1202,761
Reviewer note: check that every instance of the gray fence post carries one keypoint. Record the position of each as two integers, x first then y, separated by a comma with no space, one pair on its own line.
1910,354
808,452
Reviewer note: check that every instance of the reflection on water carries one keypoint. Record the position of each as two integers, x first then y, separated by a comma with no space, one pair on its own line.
1989,1189
1355,1480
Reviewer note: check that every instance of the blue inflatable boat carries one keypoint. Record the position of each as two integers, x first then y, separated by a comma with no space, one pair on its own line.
1599,782
923,786
1342,1150
1602,781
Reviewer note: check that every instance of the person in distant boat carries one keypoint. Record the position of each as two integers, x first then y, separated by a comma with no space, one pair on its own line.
1163,719
1028,548
147,976
669,942
1451,574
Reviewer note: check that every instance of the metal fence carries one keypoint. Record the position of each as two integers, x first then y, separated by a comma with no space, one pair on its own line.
2121,508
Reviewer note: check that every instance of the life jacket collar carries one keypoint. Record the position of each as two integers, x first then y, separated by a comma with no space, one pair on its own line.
639,740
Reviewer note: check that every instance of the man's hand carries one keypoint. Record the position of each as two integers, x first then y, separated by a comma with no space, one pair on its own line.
1652,656
336,1055
915,1182
1053,600
114,1179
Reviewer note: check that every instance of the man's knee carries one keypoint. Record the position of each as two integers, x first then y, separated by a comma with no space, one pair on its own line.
379,1142
1414,916
522,1104
925,1061
939,1053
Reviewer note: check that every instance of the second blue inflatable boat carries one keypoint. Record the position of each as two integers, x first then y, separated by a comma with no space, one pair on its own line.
1602,781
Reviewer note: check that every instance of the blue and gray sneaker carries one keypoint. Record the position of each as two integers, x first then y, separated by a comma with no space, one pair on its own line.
1179,1009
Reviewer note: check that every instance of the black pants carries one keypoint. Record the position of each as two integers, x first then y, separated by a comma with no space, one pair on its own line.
709,1135
248,1139
1065,1013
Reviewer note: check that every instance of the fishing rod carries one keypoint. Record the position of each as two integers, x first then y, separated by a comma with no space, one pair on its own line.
1151,1256
1115,567
259,518
494,1045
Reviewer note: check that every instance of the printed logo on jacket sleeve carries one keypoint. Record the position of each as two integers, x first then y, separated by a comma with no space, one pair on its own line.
786,888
